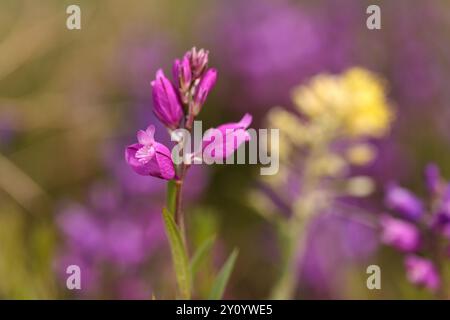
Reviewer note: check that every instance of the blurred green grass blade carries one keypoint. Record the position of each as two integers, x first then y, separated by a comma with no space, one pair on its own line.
218,287
200,255
179,255
171,196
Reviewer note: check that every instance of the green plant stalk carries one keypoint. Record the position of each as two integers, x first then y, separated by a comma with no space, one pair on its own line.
293,234
293,239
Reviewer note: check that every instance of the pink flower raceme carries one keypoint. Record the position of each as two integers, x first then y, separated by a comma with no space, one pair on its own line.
150,158
166,102
219,143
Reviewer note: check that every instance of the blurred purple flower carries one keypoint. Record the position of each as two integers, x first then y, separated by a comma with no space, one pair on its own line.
404,202
81,229
345,242
274,45
399,234
422,272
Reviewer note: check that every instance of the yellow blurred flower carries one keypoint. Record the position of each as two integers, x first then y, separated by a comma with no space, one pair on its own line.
355,102
361,154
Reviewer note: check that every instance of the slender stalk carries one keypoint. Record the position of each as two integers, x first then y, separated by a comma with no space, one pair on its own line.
294,239
294,232
179,214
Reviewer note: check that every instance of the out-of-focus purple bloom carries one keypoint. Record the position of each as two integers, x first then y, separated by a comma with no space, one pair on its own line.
442,211
166,101
125,242
399,234
404,202
111,237
204,87
150,158
273,46
198,60
81,229
421,271
345,241
432,178
221,142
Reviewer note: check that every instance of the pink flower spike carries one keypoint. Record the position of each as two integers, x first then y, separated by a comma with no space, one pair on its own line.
150,158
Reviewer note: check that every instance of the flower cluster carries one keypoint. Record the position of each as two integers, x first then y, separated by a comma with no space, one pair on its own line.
337,114
319,146
420,231
354,101
176,104
113,238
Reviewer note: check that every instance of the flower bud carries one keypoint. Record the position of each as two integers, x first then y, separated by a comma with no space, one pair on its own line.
198,60
206,83
166,102
182,75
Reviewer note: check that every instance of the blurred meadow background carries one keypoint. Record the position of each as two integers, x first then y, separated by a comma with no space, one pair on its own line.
71,100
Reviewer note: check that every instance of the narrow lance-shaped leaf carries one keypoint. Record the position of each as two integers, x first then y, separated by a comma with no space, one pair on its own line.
171,196
179,255
219,285
200,255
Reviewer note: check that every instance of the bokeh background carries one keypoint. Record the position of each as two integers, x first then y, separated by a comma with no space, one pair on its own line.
71,100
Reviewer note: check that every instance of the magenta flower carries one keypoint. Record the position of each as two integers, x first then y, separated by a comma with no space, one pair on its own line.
399,234
421,271
404,202
206,84
150,158
166,102
221,142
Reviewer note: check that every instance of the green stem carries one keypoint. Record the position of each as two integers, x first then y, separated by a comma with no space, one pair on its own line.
294,238
179,214
294,232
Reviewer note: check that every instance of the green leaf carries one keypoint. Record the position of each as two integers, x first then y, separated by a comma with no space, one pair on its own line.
200,255
221,281
179,255
171,196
